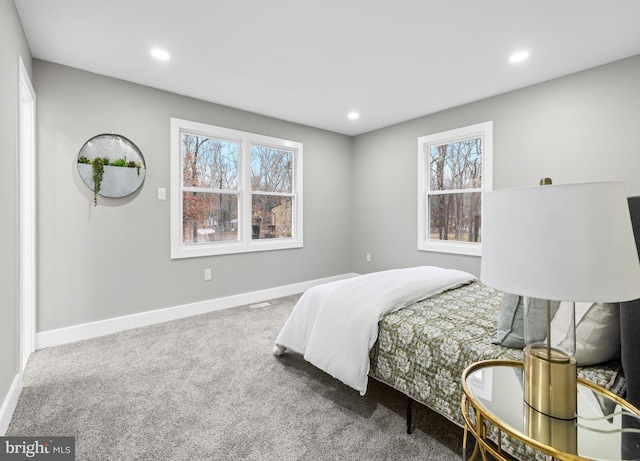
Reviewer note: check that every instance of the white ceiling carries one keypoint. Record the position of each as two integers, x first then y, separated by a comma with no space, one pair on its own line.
312,62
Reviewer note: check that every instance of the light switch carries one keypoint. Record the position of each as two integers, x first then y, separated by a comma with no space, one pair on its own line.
162,193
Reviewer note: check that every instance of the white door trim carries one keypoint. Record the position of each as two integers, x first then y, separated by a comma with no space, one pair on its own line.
27,212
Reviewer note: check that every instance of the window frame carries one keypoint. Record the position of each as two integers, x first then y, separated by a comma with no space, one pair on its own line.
482,130
245,242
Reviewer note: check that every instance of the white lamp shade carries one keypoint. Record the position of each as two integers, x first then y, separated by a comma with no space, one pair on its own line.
569,242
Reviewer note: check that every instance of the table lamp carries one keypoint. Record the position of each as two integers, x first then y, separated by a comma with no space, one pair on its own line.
570,243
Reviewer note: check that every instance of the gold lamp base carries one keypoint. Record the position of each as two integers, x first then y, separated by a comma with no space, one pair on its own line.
550,381
561,434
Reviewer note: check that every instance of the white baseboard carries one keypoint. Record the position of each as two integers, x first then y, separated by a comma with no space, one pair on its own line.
91,330
9,404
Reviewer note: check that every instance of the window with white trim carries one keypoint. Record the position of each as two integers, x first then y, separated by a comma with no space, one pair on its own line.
233,191
455,168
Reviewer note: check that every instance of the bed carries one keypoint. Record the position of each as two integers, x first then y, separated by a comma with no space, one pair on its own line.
421,346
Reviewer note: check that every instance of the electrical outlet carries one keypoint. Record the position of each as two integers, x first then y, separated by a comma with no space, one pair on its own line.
207,274
368,257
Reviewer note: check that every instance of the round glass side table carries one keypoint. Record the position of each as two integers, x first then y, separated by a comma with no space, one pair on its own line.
504,426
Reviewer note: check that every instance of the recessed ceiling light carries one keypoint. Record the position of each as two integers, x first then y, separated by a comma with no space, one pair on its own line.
353,116
519,56
160,54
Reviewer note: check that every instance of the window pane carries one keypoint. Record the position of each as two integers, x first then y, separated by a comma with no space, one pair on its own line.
209,217
271,169
271,216
455,217
457,165
209,162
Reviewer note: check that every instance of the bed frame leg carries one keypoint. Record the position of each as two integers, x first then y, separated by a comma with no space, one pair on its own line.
409,403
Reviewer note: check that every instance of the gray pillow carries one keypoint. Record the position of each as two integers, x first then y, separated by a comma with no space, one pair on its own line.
511,321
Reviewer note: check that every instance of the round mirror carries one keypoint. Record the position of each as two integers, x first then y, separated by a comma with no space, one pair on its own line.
111,166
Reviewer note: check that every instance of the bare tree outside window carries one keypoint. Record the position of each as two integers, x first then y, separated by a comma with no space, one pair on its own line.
455,170
233,191
210,183
455,195
271,186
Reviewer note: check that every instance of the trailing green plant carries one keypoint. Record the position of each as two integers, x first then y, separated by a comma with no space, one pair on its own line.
98,172
83,159
105,161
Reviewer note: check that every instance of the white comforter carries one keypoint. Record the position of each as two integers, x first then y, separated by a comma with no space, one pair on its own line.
335,325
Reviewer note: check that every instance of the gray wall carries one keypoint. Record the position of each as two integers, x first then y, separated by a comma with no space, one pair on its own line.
114,259
577,128
12,45
360,193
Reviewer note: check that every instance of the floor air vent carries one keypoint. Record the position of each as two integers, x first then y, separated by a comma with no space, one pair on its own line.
259,305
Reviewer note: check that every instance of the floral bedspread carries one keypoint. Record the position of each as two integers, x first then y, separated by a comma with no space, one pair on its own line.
423,348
